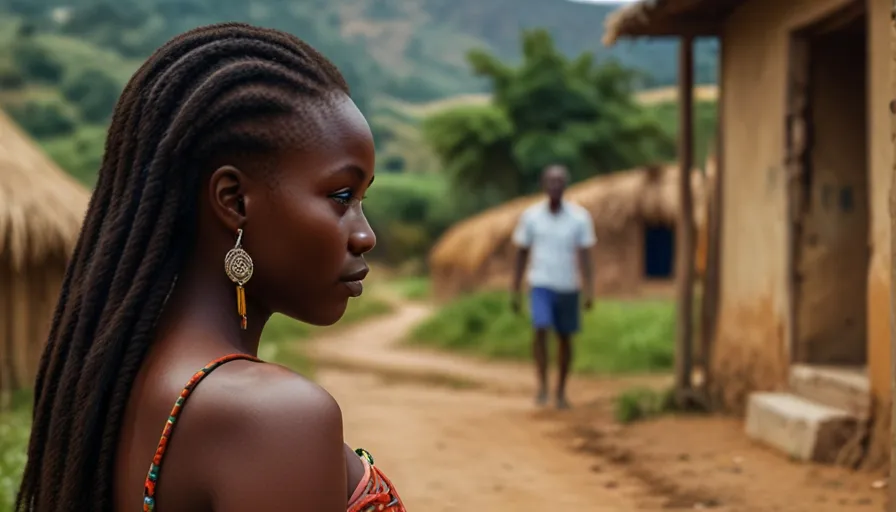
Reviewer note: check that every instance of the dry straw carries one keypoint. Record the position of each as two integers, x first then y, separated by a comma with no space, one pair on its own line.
41,210
41,207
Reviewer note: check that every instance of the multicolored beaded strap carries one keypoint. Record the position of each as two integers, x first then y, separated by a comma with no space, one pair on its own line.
152,478
379,494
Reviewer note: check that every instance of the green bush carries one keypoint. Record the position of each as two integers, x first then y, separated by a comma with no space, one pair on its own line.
617,336
93,91
412,288
45,117
642,403
80,153
394,163
705,125
15,427
11,77
408,212
36,62
280,341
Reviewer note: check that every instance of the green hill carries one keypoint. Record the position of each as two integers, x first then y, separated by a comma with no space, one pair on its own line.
410,49
430,37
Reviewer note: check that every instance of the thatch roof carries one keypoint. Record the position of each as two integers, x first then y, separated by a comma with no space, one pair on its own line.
613,200
668,18
41,207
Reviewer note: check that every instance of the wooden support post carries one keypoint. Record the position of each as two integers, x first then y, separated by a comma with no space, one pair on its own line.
685,233
891,505
713,274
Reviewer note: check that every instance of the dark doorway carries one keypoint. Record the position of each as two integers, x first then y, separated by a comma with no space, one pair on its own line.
829,190
659,251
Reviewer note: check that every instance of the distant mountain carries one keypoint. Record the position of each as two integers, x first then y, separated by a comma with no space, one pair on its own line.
410,49
418,38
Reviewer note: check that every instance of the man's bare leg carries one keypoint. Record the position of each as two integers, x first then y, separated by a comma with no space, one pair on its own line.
540,353
565,360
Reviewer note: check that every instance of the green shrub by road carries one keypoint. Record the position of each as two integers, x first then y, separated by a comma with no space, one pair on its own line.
635,336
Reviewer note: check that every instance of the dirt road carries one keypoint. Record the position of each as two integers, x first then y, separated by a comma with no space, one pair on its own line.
457,434
449,448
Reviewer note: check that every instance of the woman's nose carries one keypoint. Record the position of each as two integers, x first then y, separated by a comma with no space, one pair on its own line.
362,239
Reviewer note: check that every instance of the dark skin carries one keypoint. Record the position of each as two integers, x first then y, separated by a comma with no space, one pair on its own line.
554,180
257,436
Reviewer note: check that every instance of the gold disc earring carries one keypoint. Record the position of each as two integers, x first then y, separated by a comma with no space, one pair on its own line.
238,267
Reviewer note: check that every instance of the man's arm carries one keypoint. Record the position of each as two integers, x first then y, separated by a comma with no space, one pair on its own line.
519,268
522,238
587,240
586,267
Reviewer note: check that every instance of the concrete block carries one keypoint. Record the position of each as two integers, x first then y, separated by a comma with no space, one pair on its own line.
843,388
802,429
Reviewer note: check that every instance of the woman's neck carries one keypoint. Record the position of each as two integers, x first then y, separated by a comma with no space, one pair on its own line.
202,308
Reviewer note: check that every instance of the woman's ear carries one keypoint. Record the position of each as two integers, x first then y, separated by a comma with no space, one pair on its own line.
226,194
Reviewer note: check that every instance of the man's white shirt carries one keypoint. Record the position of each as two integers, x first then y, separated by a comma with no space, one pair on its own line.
554,240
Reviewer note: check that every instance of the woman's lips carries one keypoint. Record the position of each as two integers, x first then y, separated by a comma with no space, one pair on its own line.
355,288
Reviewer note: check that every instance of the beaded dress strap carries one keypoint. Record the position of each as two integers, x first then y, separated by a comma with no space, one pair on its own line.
152,478
375,492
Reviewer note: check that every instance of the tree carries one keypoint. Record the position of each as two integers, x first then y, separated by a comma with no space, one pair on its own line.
93,91
43,118
35,61
11,77
548,109
475,145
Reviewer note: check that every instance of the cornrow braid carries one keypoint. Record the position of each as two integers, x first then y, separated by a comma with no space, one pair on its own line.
203,91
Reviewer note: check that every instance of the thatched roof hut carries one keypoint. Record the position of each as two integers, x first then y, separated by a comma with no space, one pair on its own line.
41,209
657,18
478,252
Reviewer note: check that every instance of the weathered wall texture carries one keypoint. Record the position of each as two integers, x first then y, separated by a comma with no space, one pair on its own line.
752,350
883,90
881,160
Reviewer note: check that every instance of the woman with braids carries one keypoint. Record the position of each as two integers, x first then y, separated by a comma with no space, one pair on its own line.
230,189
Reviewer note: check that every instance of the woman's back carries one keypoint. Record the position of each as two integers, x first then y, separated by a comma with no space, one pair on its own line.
218,436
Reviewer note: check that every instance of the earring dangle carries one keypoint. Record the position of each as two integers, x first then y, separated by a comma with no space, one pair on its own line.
238,267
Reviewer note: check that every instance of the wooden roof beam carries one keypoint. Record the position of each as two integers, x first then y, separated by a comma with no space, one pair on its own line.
670,28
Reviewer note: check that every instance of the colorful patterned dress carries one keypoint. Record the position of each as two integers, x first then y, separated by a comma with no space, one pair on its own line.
374,493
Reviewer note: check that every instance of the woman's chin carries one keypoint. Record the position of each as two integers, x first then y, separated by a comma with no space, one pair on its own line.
324,314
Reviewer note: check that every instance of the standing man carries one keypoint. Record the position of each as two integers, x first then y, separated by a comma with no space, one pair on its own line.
557,236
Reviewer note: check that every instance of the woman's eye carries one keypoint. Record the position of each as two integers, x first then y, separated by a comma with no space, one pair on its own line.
344,197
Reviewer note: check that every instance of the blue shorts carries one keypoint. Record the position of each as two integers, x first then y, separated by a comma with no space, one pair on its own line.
557,310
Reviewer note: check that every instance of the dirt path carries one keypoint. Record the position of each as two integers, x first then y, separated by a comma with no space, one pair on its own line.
374,345
459,434
449,448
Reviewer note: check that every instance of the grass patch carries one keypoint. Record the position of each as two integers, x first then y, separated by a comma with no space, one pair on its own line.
641,403
280,344
617,336
362,309
15,426
416,288
282,336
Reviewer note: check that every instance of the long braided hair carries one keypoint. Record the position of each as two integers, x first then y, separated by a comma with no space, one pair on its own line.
202,92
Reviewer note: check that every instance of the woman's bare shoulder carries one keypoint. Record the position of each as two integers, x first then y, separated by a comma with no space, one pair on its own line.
276,438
